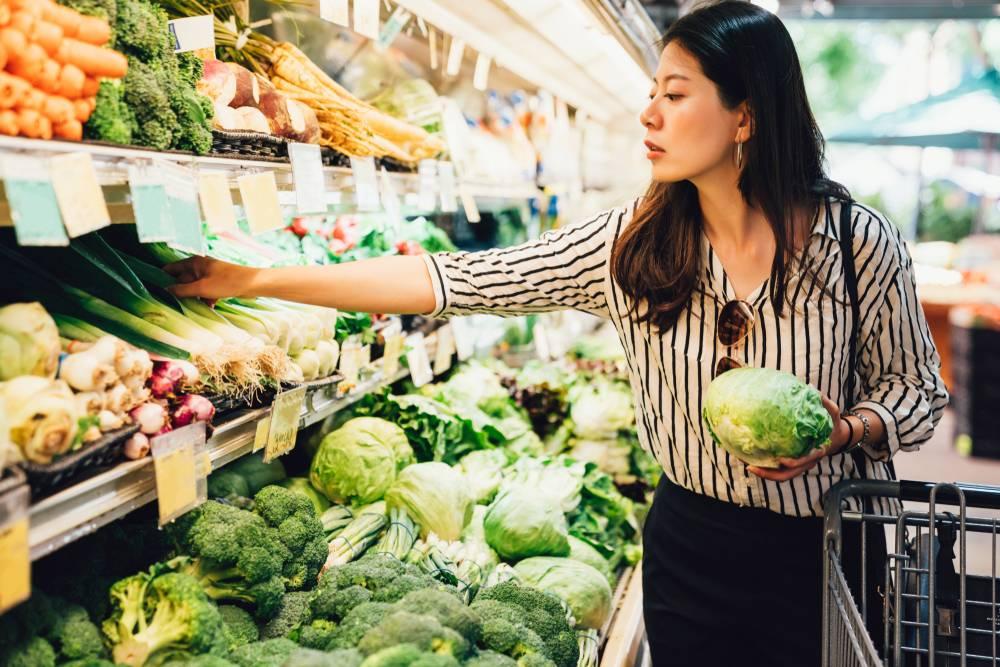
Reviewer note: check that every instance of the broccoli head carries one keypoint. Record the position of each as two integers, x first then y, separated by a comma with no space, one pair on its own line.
448,609
89,662
146,96
203,660
408,655
233,554
74,636
165,613
387,579
239,625
509,638
34,617
535,660
294,612
268,653
299,530
536,610
141,30
305,657
356,624
335,603
403,627
34,652
491,659
317,635
112,119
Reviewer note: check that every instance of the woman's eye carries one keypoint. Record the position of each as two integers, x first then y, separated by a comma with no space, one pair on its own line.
671,97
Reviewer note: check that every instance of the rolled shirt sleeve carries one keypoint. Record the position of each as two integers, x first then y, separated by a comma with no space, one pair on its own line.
898,362
566,268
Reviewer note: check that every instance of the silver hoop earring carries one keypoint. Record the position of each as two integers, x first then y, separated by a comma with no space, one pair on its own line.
739,155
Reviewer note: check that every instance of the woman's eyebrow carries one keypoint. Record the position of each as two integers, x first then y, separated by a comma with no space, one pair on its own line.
671,76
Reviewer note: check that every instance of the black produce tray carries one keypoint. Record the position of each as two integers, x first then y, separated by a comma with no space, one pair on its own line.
100,453
11,478
332,158
249,144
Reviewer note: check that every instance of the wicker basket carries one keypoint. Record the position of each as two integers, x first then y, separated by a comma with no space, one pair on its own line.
249,145
100,453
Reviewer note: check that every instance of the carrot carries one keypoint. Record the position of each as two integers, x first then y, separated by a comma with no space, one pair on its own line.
12,90
94,31
82,109
3,57
58,109
48,36
45,127
72,130
30,123
29,63
8,123
4,15
13,40
33,7
71,81
24,22
93,60
49,81
90,87
32,99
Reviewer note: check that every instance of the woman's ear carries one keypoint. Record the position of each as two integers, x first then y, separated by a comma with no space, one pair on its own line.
745,126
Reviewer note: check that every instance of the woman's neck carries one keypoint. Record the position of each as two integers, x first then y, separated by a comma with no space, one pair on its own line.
727,218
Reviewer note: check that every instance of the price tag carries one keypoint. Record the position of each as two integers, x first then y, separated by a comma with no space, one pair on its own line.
390,202
307,170
446,179
465,343
444,350
260,436
541,338
182,194
175,456
365,357
260,201
80,198
365,183
394,345
15,556
481,77
32,200
216,201
366,17
284,424
335,11
455,53
393,26
432,46
193,33
150,206
417,360
427,193
350,361
469,204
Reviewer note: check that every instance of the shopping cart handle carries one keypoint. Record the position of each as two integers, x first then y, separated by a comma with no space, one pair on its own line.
976,495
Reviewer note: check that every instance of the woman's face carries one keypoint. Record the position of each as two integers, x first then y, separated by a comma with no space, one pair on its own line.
689,133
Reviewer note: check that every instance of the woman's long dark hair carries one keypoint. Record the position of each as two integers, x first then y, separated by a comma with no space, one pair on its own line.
747,52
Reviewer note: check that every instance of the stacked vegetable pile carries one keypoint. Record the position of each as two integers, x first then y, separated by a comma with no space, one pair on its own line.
156,104
65,384
52,62
244,101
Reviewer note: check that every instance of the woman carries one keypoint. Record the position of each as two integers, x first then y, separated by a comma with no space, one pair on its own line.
733,258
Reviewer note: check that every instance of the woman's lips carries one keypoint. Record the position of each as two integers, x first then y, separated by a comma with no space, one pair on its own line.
653,151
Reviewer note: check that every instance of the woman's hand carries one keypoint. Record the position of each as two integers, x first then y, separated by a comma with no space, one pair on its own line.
790,468
211,279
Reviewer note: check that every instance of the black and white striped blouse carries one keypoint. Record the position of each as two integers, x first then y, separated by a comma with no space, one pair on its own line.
669,372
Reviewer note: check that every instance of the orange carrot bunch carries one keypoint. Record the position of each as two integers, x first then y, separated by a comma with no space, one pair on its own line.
52,59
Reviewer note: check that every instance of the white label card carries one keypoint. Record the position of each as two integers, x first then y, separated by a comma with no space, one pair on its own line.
446,180
481,78
307,170
260,201
465,341
418,361
444,351
390,202
366,17
455,53
469,204
541,338
193,33
365,183
79,194
427,193
335,11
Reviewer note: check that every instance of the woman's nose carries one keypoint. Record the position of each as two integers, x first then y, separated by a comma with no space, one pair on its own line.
649,118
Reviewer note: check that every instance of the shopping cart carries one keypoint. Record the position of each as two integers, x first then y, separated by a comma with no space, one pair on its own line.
932,613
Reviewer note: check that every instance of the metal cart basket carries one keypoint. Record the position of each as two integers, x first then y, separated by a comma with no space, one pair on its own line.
933,612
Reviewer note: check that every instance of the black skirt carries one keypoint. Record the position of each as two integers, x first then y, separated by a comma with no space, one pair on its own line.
728,585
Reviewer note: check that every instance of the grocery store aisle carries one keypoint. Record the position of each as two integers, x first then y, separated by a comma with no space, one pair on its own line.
938,461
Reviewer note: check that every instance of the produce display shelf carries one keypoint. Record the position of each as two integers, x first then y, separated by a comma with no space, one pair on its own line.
82,508
112,165
623,636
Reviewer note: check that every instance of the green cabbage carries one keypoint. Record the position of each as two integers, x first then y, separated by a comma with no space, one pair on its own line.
583,552
600,408
520,524
582,587
357,463
436,497
759,415
303,487
483,472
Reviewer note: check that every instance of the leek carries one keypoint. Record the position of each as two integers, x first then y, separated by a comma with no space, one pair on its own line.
76,329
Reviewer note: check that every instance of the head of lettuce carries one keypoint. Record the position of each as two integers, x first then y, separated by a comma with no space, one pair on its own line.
760,415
